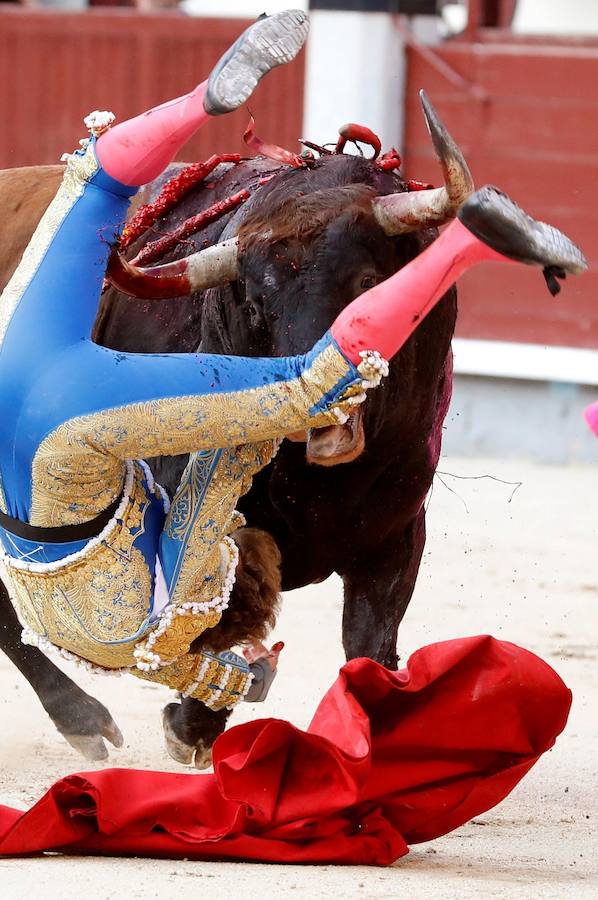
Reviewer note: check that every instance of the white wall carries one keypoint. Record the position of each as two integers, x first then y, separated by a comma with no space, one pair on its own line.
556,17
239,9
355,73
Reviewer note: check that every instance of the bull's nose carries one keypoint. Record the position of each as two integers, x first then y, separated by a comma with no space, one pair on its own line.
337,444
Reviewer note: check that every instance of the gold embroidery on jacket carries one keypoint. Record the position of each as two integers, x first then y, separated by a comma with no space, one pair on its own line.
231,479
200,531
76,466
71,482
97,606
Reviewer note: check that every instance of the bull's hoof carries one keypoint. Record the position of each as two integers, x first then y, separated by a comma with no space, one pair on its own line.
92,746
85,724
202,758
198,754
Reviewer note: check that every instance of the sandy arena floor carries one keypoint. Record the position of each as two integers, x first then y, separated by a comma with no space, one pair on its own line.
524,570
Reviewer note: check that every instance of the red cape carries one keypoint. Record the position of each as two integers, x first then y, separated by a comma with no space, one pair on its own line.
390,759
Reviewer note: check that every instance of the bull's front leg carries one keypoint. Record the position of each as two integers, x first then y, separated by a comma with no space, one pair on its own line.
81,719
377,593
190,729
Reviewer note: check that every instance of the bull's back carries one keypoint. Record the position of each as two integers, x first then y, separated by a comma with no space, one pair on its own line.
25,194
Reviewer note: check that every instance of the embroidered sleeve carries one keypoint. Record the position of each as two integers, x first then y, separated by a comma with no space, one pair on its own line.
179,403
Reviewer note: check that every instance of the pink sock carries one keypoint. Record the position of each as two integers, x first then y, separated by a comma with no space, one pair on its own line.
384,317
138,150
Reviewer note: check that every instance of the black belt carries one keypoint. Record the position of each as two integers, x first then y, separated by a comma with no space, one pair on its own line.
62,534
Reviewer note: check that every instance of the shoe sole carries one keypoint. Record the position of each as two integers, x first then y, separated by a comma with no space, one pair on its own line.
498,221
268,43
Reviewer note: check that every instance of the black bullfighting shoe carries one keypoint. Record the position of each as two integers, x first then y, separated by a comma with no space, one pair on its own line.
269,42
497,221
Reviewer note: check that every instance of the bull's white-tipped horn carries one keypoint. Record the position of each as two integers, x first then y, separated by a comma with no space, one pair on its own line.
208,268
413,210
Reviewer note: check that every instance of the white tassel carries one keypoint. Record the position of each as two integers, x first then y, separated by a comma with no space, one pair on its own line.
99,121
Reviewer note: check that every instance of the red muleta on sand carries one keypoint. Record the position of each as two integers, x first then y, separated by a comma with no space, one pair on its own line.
390,759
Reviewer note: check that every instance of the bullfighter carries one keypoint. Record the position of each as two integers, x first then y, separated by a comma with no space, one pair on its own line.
98,563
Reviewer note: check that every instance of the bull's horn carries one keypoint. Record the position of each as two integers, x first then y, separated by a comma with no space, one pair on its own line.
211,267
400,213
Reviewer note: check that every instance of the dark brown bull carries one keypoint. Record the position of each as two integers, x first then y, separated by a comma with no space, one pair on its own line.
307,241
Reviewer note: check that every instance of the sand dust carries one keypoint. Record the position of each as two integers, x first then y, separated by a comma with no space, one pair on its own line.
526,571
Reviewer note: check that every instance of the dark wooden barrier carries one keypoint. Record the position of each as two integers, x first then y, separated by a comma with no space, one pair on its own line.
55,67
525,112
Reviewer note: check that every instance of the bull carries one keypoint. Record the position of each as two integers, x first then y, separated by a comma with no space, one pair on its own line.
308,238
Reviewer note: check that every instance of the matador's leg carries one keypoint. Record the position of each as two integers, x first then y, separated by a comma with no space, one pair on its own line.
137,151
201,401
489,227
58,283
51,301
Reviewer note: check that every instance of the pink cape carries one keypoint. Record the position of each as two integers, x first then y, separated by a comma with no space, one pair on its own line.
390,759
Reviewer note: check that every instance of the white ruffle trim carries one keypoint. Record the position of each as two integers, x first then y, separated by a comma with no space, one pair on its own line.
48,648
200,677
340,415
152,483
148,661
83,143
372,368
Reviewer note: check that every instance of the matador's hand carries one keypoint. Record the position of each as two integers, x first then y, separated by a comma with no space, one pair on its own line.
262,664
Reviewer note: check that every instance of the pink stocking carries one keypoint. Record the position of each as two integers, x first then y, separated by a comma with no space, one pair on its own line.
385,316
138,150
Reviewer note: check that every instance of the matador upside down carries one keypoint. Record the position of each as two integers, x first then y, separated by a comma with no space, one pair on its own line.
97,563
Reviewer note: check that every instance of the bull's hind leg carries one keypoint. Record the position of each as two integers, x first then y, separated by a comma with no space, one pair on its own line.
377,594
81,719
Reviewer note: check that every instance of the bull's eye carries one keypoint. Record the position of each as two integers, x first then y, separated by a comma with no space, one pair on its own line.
368,281
254,313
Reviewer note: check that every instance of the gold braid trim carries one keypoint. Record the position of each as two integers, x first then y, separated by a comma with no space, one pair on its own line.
97,604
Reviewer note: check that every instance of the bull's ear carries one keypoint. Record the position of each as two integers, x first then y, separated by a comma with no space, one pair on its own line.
413,210
208,268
